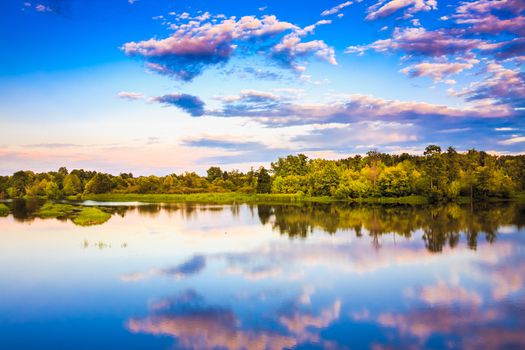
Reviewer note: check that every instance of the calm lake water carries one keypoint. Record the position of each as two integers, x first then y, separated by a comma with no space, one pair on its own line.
265,277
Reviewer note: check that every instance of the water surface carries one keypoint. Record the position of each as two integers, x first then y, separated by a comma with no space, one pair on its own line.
265,277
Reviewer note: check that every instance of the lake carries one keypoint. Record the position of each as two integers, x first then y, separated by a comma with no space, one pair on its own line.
163,276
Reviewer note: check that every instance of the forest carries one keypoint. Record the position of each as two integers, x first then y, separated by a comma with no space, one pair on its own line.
438,175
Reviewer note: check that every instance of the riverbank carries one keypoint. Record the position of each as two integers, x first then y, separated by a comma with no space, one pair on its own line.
228,198
82,216
233,197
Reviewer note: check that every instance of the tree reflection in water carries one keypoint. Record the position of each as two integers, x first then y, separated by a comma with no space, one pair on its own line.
442,225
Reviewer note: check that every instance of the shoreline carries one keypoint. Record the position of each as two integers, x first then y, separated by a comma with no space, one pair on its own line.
232,197
243,198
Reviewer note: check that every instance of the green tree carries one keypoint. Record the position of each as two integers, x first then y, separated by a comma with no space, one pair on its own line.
18,183
433,165
148,184
52,191
264,183
72,185
393,182
100,183
291,184
291,165
214,172
323,178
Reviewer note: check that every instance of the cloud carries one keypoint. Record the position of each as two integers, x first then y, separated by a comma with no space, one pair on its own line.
502,84
196,45
185,316
58,7
311,28
425,322
193,105
205,42
54,145
188,268
514,48
486,6
467,325
491,17
130,95
491,24
419,41
493,29
513,140
344,137
42,8
442,293
336,9
507,281
133,277
236,151
436,70
256,273
259,73
253,96
302,324
382,9
350,108
291,48
223,144
251,102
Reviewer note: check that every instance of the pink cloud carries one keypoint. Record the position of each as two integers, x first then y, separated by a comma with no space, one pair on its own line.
382,9
198,44
291,47
195,45
42,8
419,41
437,70
502,84
336,9
221,331
491,24
485,6
130,95
442,293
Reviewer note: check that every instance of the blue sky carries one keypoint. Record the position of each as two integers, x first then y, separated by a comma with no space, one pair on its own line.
166,86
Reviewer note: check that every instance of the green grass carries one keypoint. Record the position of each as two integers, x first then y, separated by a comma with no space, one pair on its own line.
82,216
91,216
56,210
4,209
393,200
231,197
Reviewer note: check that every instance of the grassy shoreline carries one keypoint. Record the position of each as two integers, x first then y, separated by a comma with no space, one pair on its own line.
4,210
227,198
82,216
233,197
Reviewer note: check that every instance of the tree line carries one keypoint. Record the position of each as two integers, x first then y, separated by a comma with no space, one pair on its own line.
437,174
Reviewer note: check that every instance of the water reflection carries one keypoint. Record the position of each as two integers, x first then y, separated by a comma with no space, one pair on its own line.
442,225
198,325
270,277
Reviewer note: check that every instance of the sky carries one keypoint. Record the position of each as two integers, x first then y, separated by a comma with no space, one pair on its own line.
156,87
